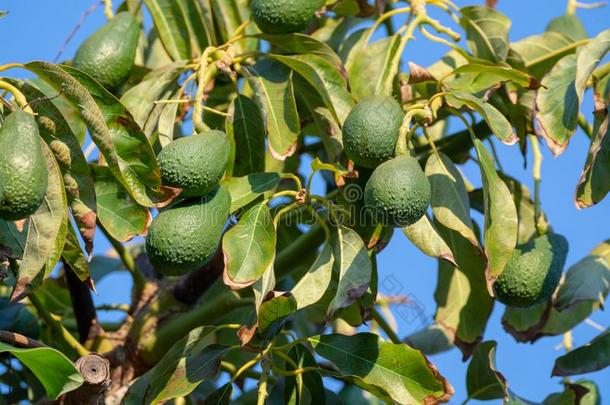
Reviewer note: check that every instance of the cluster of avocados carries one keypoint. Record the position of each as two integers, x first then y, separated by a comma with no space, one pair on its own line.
185,236
23,169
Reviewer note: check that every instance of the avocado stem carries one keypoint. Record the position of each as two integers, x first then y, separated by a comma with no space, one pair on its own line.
18,96
536,174
108,9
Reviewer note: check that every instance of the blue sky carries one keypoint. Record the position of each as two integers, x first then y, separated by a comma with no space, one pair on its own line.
36,30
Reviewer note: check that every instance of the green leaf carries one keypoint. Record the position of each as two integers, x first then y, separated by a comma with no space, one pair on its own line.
463,303
486,32
229,15
374,66
313,285
474,78
157,85
582,392
568,24
273,314
587,280
57,133
274,93
589,58
425,237
354,267
302,44
74,256
244,190
249,247
12,239
393,372
46,231
497,122
483,381
263,286
222,396
118,213
432,339
121,142
593,356
310,388
501,223
54,370
167,120
541,52
191,360
184,26
593,184
449,198
246,128
558,105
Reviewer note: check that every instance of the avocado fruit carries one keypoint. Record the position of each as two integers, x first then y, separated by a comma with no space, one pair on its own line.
195,163
533,272
184,237
398,192
371,130
108,54
284,16
23,167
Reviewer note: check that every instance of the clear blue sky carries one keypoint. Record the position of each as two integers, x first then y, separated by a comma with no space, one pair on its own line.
36,30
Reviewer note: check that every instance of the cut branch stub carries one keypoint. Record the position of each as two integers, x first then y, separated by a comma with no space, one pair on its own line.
96,372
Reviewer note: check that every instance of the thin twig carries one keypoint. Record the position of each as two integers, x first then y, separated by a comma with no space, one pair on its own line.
82,19
16,339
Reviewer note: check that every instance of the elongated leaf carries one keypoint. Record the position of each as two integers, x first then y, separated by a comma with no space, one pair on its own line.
433,339
191,360
497,122
374,66
12,240
74,256
57,133
222,396
123,144
325,78
568,24
354,267
263,286
426,238
302,44
483,381
593,356
246,189
249,247
55,371
589,58
474,78
273,314
46,230
274,93
312,286
229,15
593,184
486,32
501,223
118,213
558,105
586,280
246,128
167,120
392,372
463,303
310,388
449,198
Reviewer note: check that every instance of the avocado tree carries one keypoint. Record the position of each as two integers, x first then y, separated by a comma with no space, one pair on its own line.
199,136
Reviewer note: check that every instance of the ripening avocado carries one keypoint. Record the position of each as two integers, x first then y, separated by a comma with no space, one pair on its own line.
108,54
371,130
185,237
284,16
533,272
195,163
398,192
23,168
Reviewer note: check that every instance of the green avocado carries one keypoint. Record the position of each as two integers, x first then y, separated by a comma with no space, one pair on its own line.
533,272
284,16
371,130
195,163
108,54
185,237
23,168
398,192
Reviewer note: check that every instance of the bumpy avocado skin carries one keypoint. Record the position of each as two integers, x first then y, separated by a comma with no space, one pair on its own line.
108,54
284,16
533,272
23,168
185,237
371,130
398,192
196,163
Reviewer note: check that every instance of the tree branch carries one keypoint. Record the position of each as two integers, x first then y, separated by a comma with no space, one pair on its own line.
84,311
16,339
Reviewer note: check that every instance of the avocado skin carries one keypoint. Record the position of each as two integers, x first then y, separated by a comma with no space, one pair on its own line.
23,168
371,130
108,54
196,163
185,237
284,16
533,272
398,192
